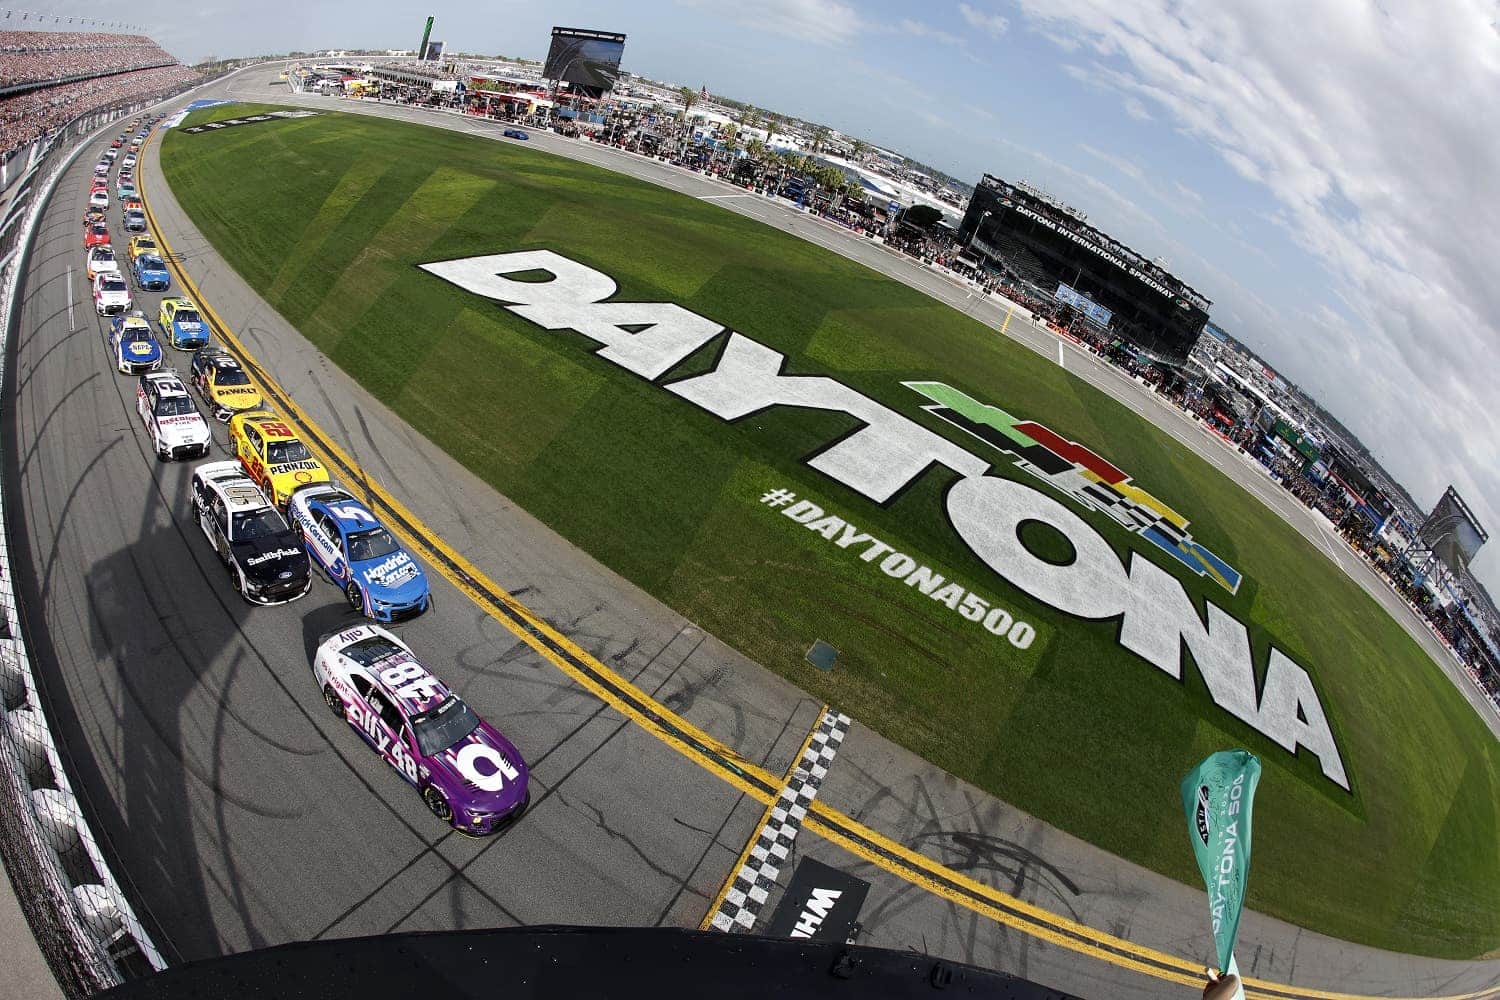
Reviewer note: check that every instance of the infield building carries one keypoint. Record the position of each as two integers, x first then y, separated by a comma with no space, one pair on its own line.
1036,240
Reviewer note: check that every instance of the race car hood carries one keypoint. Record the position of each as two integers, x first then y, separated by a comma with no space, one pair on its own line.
113,295
184,327
185,429
271,559
481,771
396,578
235,397
138,351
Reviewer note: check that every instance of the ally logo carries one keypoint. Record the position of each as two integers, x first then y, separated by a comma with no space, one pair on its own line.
1081,474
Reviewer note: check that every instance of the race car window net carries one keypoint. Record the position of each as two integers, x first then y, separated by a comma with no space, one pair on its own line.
228,375
444,726
376,543
281,452
258,524
113,284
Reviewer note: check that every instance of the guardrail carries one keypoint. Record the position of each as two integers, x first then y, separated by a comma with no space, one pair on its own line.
82,921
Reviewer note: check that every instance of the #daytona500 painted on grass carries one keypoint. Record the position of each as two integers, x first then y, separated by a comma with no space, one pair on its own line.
466,772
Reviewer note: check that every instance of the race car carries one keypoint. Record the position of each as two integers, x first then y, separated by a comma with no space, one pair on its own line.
111,154
131,345
379,578
469,775
99,198
132,205
178,431
96,234
264,558
111,294
93,215
515,133
117,142
222,383
151,274
99,184
124,188
100,260
272,455
129,160
143,244
135,221
181,324
101,169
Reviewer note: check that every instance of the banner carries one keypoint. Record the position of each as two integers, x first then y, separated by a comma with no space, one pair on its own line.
1216,797
821,903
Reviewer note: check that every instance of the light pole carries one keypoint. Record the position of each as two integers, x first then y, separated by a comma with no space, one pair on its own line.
970,245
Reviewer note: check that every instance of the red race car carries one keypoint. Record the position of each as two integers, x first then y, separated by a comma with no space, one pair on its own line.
117,144
95,234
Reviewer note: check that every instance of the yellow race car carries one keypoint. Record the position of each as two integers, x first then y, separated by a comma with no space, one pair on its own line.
143,244
273,456
223,384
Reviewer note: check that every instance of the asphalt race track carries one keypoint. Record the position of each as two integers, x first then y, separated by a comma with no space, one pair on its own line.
240,813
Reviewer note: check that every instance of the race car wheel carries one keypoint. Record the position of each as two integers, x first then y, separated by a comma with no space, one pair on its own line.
331,699
162,455
356,599
439,805
238,579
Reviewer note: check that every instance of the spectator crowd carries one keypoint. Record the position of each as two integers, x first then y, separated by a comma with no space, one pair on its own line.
103,70
42,56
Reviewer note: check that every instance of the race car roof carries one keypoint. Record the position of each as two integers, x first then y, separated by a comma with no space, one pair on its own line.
167,383
270,425
228,479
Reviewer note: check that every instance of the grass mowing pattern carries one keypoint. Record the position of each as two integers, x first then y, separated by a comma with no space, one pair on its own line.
327,217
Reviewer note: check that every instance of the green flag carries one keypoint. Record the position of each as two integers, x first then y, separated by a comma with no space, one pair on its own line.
1216,796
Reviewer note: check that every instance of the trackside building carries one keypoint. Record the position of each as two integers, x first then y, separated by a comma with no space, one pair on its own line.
1033,238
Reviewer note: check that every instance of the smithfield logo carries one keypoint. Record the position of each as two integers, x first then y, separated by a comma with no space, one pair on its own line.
889,451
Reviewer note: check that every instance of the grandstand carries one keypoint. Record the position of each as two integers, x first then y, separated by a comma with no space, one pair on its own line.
48,78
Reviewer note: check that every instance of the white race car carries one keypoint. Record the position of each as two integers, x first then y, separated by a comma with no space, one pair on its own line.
111,293
177,429
101,260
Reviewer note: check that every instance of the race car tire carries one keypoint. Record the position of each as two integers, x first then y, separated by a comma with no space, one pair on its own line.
163,455
439,805
355,597
332,700
238,579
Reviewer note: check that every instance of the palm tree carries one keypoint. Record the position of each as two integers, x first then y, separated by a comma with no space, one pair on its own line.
689,98
857,149
772,123
820,138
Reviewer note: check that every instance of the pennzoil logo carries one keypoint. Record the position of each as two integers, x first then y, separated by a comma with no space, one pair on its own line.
1083,475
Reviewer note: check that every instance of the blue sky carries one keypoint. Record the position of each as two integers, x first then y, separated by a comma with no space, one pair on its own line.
1321,172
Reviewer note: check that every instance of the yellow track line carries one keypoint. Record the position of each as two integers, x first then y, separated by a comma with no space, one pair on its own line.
765,817
753,780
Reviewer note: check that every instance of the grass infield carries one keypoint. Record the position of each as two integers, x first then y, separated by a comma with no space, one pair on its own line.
327,217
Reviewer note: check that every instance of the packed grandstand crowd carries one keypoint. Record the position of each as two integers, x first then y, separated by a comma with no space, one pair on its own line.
100,71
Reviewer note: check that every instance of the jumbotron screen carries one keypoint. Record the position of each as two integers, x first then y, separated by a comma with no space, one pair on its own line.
588,59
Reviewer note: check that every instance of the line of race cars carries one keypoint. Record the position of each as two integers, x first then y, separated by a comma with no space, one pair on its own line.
272,513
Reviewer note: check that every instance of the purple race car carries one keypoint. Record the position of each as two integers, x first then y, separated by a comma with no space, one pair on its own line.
467,773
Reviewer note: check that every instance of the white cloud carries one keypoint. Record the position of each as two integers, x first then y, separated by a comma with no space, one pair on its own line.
1369,126
823,22
920,29
993,24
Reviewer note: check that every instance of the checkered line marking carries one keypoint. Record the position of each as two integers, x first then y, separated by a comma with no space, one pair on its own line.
752,884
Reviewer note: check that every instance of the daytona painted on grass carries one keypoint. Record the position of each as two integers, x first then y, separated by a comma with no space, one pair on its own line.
338,213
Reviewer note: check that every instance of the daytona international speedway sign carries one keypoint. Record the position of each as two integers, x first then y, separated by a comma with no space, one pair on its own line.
889,451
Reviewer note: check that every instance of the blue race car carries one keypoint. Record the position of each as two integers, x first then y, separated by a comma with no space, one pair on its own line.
379,578
132,346
151,274
515,133
125,189
181,323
